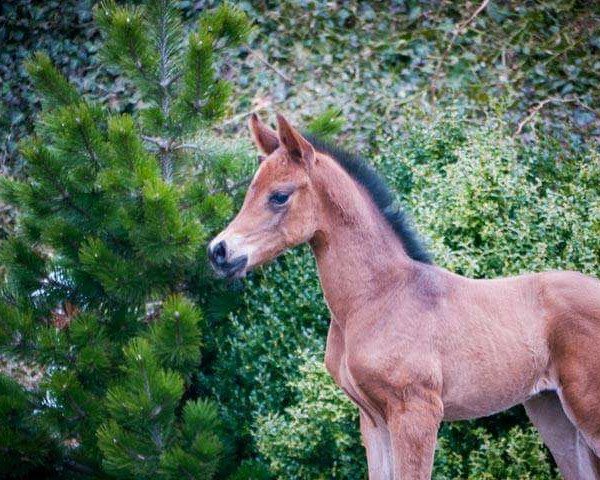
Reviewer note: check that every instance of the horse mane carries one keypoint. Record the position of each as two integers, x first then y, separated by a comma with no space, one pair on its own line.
381,195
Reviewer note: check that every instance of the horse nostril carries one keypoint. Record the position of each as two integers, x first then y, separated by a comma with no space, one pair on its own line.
219,253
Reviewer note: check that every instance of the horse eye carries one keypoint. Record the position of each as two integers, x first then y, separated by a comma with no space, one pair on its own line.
279,198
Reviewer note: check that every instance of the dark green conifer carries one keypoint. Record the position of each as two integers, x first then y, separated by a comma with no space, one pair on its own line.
104,275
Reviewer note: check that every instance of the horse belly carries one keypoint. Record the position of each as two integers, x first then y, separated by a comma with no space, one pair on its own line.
492,376
482,399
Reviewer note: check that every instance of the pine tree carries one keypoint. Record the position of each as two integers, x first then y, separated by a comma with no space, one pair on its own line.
105,275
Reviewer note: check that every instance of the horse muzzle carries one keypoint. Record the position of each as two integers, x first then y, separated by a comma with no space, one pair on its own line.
222,265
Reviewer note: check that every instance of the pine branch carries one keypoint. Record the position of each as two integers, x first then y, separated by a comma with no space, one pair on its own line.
127,45
133,53
77,467
162,16
55,88
68,201
65,196
87,144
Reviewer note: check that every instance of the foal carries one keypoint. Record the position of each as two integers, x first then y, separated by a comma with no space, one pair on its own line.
410,343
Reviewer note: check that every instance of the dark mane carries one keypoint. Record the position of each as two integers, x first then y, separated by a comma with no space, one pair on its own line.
380,194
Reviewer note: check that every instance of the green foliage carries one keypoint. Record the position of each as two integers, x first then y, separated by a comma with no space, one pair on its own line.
370,59
251,470
29,265
518,455
327,124
128,43
465,450
26,448
54,88
65,30
17,324
227,23
480,199
176,338
317,437
179,84
282,314
144,439
354,56
142,407
104,277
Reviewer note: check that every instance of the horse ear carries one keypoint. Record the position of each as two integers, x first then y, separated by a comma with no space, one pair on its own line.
265,138
298,148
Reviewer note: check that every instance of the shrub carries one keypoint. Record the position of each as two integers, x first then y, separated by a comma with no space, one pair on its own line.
487,204
317,437
282,315
466,450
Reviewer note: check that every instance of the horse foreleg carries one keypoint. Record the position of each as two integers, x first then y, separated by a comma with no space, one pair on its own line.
413,427
376,439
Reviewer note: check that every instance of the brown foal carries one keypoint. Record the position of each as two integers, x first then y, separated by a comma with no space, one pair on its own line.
410,343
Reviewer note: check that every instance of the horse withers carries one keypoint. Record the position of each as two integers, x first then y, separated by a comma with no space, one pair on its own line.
410,343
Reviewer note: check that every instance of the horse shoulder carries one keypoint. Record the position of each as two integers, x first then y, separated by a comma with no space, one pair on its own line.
388,365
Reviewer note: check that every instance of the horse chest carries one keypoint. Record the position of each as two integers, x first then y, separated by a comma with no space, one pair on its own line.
358,388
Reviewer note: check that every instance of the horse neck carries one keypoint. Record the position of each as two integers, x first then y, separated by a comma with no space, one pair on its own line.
358,254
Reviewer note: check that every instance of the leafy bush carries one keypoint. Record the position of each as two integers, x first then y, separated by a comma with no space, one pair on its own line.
67,32
487,204
372,58
317,437
282,315
467,451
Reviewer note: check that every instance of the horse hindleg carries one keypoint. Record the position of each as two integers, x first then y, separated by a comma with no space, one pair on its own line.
572,455
572,303
589,462
588,434
376,439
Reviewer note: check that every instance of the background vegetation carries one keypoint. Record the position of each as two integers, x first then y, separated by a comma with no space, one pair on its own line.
483,116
